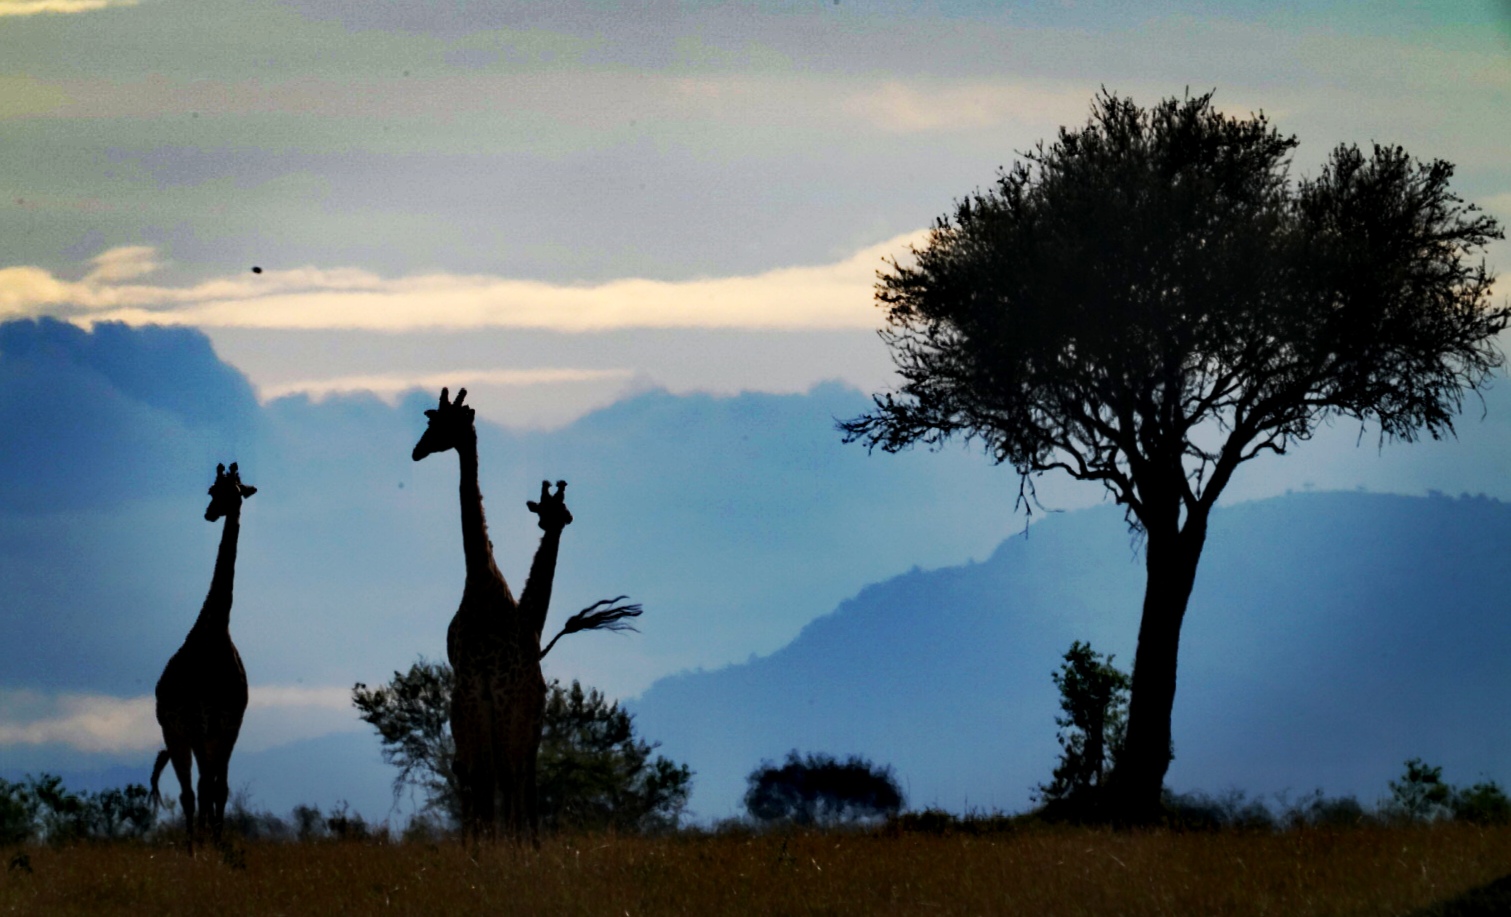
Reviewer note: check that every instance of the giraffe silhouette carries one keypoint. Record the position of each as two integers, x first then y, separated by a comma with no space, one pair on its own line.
202,693
493,643
499,694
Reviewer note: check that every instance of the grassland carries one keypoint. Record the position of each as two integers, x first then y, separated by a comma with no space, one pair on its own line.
1039,871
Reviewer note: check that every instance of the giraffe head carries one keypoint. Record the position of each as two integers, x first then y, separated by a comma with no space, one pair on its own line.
450,422
552,508
227,493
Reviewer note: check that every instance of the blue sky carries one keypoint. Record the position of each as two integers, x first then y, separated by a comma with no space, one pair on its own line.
561,206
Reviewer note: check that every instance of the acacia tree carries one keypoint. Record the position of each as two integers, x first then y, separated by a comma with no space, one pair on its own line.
1150,301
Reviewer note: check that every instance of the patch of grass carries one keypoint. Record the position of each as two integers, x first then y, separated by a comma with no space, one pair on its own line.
1375,870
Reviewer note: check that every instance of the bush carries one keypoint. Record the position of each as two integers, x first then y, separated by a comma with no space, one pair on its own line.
593,771
1319,811
818,789
41,808
1420,794
938,822
1482,804
253,825
1233,809
1093,724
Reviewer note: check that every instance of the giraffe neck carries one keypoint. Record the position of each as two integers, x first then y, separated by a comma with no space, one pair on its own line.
215,615
475,545
535,601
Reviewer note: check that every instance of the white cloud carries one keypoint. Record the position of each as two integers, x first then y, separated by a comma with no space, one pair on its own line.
34,7
87,722
126,262
965,105
391,384
829,296
98,723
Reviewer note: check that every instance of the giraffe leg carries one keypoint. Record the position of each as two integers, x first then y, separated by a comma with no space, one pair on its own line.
182,760
213,789
465,788
206,797
486,801
465,763
532,796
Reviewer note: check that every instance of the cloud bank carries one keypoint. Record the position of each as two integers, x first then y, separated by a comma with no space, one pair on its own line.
99,723
35,7
822,297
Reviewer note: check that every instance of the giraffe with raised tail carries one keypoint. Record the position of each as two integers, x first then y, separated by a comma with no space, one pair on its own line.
499,694
202,693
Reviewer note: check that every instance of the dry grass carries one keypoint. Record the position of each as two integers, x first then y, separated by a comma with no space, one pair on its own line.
1363,871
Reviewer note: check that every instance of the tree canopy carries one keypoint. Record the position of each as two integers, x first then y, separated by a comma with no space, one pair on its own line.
820,789
1151,300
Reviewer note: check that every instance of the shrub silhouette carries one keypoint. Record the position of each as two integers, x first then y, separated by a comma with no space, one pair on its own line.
41,808
1422,795
818,789
593,772
1093,722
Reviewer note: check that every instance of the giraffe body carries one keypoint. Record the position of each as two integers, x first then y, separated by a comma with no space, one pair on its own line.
493,644
202,694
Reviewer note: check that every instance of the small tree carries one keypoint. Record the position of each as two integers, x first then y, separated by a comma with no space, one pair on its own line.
412,714
1150,301
1421,794
818,789
1093,721
593,771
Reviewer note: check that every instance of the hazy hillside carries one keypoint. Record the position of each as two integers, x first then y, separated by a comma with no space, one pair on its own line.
736,520
1330,637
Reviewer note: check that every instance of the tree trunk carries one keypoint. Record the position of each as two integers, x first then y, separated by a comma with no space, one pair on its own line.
1170,559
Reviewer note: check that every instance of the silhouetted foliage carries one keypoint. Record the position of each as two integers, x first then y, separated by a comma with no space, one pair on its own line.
412,714
41,808
1093,720
818,789
1319,810
1150,301
246,821
1204,812
937,821
1482,803
593,772
1421,794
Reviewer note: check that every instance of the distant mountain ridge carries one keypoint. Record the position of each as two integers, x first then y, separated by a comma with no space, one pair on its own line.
1330,636
736,520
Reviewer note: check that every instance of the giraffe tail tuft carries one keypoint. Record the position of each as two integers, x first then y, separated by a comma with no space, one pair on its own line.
597,617
157,771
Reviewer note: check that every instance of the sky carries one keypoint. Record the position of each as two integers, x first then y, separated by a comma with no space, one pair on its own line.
562,206
568,202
